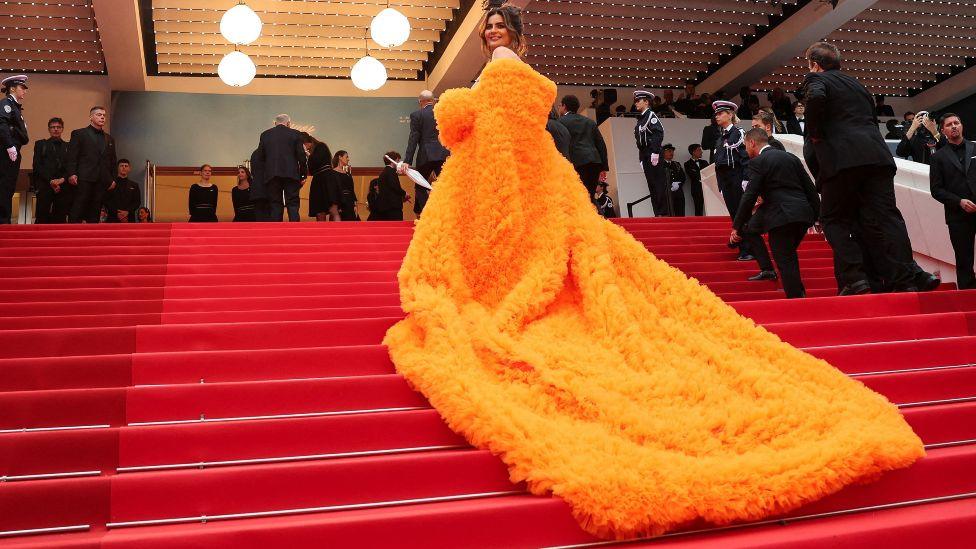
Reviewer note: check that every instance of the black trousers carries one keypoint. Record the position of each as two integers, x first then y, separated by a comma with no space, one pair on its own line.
697,197
730,184
262,209
87,206
962,234
657,185
8,184
590,175
861,201
677,203
422,194
63,202
44,203
783,241
278,186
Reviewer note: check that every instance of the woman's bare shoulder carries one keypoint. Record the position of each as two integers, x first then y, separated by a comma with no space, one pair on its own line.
501,52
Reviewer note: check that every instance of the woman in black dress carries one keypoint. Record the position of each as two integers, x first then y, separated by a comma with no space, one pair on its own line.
322,205
203,197
386,196
341,183
240,195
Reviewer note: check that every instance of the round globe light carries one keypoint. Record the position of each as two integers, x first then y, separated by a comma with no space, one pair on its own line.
389,28
368,74
236,69
240,25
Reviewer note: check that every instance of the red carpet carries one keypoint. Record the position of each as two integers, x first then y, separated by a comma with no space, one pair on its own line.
160,381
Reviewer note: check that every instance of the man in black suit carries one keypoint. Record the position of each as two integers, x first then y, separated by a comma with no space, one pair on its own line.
123,198
90,166
431,155
855,174
790,205
952,176
587,150
559,133
13,136
284,165
693,168
53,196
796,124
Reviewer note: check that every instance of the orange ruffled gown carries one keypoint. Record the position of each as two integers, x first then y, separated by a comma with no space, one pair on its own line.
596,371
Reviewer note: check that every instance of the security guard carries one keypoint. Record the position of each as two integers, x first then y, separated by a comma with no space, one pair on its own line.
649,134
676,178
13,136
731,161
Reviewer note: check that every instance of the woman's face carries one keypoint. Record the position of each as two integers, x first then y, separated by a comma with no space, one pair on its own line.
241,175
496,33
344,160
205,173
724,118
143,214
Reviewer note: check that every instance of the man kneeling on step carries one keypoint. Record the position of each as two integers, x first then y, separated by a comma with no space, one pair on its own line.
788,206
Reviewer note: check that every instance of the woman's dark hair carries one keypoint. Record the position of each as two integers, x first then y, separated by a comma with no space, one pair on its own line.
309,138
247,172
824,54
336,156
513,22
395,156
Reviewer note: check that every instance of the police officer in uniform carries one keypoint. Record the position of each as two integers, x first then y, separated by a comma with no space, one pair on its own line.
676,178
731,161
13,136
649,134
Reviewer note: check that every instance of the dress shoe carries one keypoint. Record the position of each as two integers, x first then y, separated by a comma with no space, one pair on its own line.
745,257
856,288
927,282
763,275
904,289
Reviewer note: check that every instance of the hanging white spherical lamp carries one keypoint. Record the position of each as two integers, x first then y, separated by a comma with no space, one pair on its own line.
236,69
389,28
368,74
240,25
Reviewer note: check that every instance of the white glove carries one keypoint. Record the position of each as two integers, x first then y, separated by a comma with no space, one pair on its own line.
12,153
654,159
744,185
674,186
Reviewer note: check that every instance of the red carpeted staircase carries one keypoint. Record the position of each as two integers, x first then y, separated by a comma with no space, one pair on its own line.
224,386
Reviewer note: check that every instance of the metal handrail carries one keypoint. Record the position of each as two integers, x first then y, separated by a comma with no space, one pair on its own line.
630,205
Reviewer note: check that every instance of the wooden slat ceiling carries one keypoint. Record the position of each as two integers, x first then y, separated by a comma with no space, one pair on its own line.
897,47
300,38
654,43
57,36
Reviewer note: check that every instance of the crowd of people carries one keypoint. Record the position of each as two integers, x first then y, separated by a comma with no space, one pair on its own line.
764,192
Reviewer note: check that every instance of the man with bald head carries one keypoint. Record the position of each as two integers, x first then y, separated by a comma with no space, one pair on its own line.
425,142
284,165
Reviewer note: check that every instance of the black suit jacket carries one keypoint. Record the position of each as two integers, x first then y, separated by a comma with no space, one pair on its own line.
425,135
793,125
560,135
952,181
586,145
841,125
125,196
281,154
91,156
257,188
786,189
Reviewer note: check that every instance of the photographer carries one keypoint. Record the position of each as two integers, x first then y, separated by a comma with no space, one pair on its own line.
921,139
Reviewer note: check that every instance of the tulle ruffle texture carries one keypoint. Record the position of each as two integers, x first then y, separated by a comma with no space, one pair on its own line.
597,372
